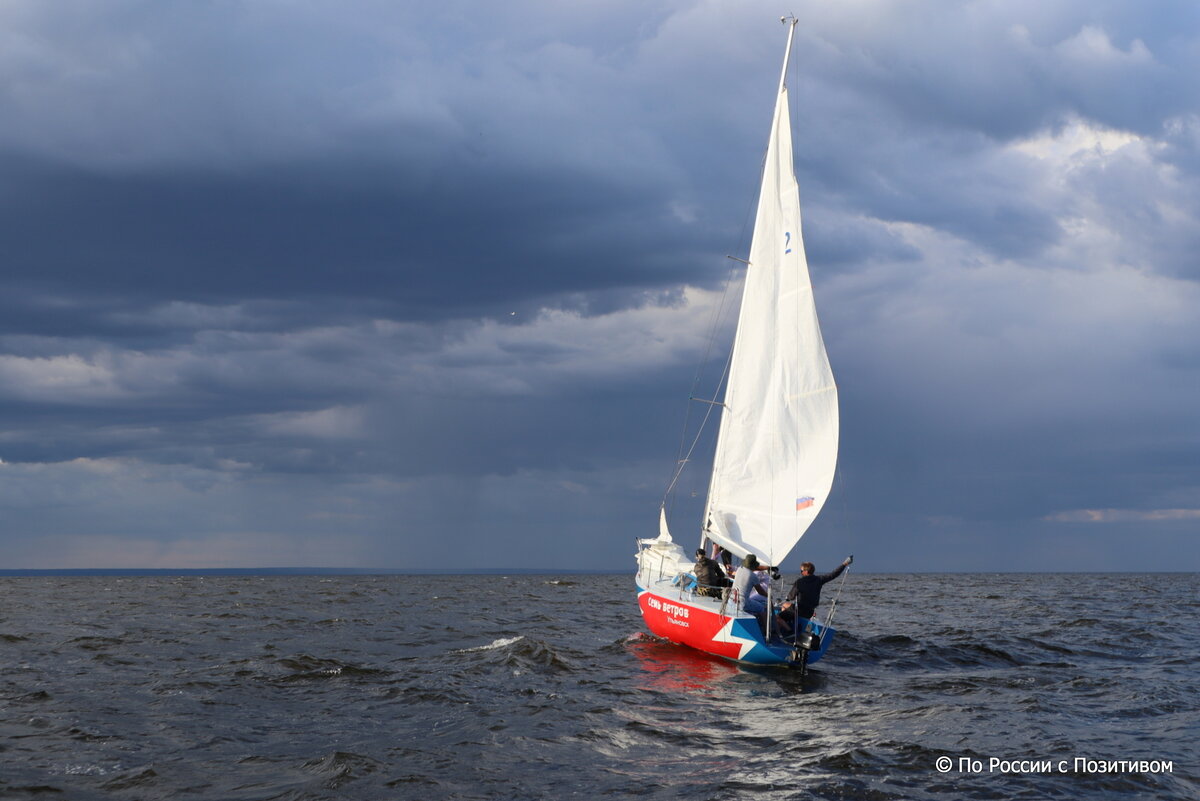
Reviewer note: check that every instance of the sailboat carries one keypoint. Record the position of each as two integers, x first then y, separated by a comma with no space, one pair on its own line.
777,442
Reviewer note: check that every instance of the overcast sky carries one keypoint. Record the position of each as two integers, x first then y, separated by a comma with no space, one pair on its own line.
411,285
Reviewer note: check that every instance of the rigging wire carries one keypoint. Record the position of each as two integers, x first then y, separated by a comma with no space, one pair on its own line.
685,452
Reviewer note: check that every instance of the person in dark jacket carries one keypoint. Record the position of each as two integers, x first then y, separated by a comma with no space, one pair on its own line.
805,595
709,575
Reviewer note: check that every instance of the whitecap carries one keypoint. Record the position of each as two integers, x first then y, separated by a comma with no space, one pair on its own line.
501,643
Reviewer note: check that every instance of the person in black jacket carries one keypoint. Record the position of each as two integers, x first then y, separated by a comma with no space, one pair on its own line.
805,595
709,575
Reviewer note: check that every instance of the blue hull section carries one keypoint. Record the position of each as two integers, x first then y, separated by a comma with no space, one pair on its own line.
777,652
702,623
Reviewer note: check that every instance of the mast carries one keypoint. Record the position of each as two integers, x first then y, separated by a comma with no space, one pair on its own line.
777,446
787,54
706,524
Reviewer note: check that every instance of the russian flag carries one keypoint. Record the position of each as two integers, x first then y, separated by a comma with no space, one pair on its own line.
804,503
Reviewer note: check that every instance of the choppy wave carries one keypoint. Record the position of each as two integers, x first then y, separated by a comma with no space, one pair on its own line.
245,688
503,642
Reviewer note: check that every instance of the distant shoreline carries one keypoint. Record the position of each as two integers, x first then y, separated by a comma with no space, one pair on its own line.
291,571
516,571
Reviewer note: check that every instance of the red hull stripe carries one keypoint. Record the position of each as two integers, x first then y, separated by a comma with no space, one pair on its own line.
690,625
700,626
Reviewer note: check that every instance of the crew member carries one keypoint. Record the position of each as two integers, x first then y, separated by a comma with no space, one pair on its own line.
805,595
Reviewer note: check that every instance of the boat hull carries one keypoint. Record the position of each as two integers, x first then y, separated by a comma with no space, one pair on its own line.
684,617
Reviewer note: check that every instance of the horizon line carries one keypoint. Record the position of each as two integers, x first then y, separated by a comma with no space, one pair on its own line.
378,571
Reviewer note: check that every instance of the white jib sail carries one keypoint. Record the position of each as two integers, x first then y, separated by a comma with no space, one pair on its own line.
777,447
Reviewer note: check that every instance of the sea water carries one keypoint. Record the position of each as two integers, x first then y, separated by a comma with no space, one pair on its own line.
530,687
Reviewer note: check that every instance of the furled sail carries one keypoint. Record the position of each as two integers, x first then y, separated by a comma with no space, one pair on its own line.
777,447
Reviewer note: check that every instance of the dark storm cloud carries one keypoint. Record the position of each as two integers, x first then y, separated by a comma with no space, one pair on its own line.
306,286
480,241
918,102
1009,70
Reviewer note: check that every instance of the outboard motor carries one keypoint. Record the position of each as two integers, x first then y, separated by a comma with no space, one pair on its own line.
805,642
809,641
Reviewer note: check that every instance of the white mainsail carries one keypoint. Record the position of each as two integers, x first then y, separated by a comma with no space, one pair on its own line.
777,446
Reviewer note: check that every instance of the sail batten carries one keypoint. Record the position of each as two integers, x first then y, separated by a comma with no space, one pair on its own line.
778,440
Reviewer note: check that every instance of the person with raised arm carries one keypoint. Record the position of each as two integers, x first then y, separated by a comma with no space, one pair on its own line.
805,595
